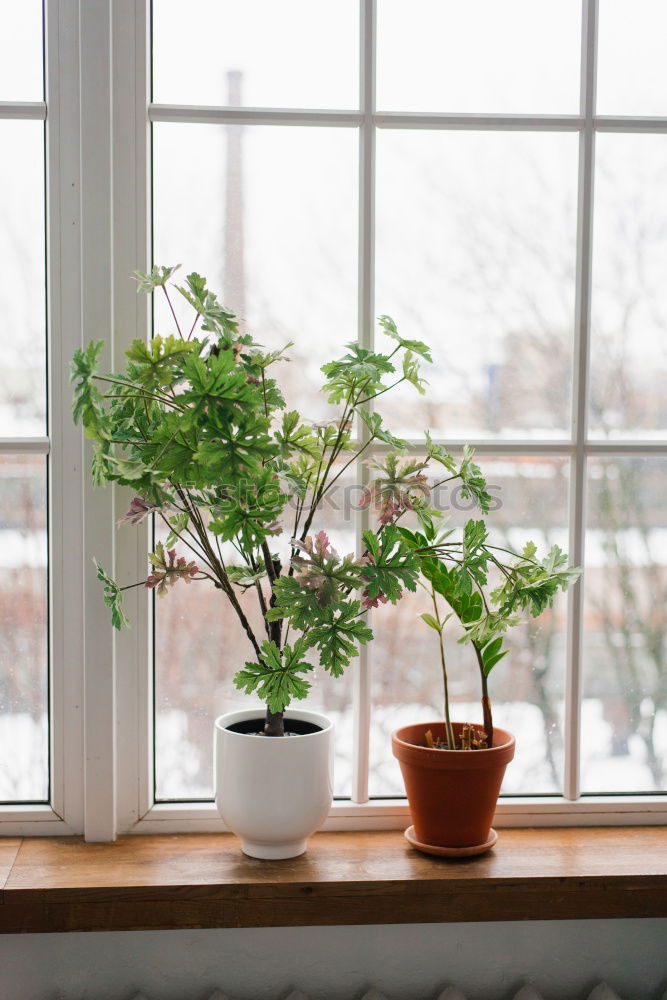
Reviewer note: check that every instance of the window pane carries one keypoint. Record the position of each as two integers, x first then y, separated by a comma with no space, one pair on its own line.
292,54
24,770
517,56
526,688
22,304
21,74
629,310
624,719
632,73
476,256
199,646
269,215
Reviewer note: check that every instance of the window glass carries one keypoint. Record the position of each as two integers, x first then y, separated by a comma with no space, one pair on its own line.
629,306
21,73
269,216
292,54
481,56
624,712
24,772
22,280
476,256
632,73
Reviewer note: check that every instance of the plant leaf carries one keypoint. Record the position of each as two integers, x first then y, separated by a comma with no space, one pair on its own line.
276,678
113,598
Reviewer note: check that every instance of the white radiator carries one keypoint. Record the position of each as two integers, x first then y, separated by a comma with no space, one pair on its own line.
601,992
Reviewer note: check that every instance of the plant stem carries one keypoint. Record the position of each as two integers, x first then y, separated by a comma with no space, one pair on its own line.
180,332
266,405
275,628
274,724
185,542
486,701
220,575
360,402
347,465
258,588
139,392
517,555
336,448
192,328
448,722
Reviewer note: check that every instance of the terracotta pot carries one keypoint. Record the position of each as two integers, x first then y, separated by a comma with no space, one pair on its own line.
452,793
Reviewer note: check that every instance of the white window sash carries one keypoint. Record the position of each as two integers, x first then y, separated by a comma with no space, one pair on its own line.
64,814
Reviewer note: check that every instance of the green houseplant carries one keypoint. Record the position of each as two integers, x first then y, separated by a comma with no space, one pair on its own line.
196,426
453,793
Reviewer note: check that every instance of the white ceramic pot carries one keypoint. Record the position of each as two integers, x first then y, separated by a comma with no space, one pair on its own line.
273,792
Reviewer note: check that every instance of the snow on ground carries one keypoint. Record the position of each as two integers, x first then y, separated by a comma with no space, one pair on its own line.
187,769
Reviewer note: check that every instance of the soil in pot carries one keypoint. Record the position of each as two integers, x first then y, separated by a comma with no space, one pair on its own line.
293,727
452,793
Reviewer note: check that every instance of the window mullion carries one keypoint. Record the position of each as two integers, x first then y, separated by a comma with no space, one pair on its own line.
23,110
580,398
362,669
130,62
25,446
97,322
63,446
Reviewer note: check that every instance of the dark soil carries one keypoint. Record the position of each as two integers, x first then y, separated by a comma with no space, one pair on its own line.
293,727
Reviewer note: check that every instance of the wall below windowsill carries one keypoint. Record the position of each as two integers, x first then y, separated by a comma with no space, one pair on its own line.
203,880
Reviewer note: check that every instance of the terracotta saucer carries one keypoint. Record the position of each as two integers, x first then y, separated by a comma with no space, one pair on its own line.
451,852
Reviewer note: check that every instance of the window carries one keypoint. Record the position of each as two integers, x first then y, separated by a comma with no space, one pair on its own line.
492,176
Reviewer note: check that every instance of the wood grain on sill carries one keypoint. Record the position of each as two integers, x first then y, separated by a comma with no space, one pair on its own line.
203,880
9,848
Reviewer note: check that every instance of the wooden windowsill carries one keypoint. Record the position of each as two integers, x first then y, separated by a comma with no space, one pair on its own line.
203,880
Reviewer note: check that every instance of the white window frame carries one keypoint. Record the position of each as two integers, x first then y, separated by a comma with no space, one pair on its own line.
98,198
64,814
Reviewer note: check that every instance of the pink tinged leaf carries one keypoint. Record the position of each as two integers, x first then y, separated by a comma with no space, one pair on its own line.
365,498
368,601
172,555
321,542
389,512
373,602
139,509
